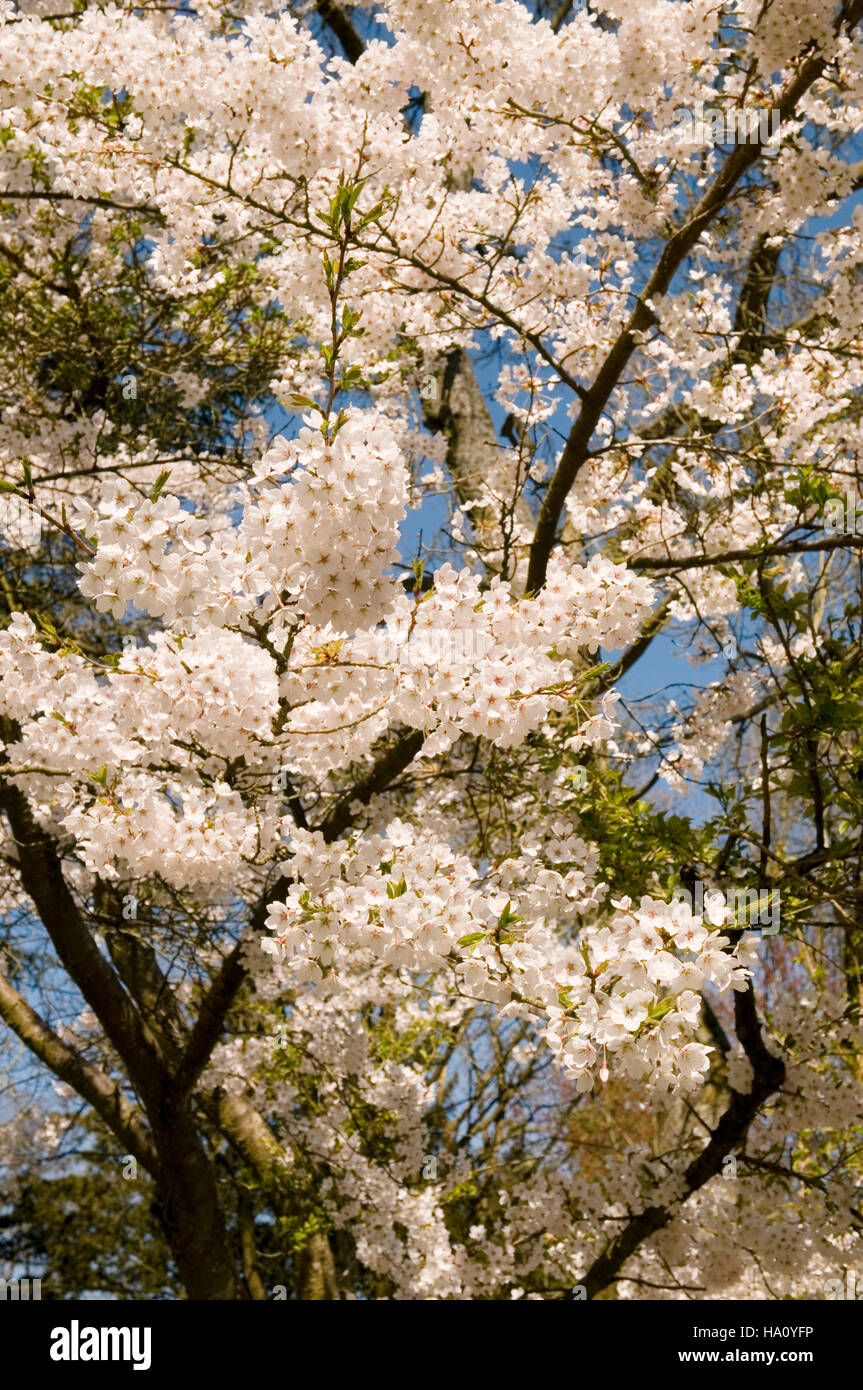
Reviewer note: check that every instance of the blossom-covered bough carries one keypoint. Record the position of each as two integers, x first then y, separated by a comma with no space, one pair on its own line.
333,883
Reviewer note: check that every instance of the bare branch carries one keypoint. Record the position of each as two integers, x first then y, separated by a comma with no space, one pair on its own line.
91,1084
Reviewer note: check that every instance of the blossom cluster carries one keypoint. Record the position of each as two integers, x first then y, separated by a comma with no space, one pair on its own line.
627,988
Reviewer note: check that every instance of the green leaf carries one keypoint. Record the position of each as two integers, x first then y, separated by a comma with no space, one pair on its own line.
350,317
298,402
593,671
350,196
397,890
661,1008
351,377
371,216
341,419
507,918
472,939
160,482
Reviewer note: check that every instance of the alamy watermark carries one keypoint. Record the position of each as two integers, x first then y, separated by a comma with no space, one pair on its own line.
746,906
843,1289
20,1290
20,524
76,1343
844,514
434,646
713,126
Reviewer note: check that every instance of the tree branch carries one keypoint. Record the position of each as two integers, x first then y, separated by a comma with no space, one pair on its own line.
388,766
768,1076
336,18
690,562
42,878
576,449
91,1084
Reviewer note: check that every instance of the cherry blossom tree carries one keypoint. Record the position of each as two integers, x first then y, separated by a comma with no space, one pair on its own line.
393,396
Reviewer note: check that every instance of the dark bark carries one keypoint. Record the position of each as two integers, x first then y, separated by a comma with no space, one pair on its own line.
577,447
729,1134
192,1219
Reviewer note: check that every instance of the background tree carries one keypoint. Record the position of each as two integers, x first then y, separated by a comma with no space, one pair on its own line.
389,409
